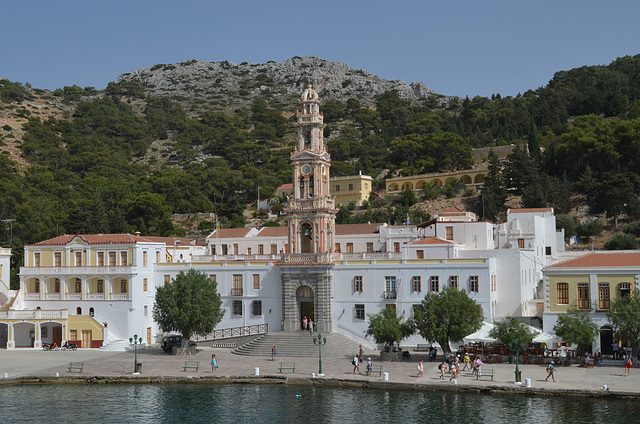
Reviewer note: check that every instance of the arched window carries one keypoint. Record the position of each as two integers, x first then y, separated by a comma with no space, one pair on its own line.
78,311
91,312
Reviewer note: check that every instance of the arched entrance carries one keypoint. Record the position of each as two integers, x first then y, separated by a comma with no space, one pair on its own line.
304,299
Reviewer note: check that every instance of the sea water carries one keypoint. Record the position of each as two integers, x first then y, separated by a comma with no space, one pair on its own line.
267,403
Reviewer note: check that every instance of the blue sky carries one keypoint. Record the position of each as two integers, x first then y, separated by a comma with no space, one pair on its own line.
456,47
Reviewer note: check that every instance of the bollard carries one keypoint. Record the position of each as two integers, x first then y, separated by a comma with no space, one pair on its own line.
256,371
57,374
6,375
385,376
527,382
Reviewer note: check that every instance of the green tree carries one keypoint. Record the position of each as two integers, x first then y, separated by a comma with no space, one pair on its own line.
624,317
576,327
621,242
447,316
494,192
513,333
189,304
387,328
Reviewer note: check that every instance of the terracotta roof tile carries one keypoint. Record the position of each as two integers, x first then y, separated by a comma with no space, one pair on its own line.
106,239
230,232
454,209
354,229
530,210
601,260
432,240
273,232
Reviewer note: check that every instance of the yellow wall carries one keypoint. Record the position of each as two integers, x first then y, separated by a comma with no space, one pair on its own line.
85,322
573,281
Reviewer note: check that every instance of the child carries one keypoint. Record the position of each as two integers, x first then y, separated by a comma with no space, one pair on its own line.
369,366
214,363
442,367
273,352
627,366
550,372
420,369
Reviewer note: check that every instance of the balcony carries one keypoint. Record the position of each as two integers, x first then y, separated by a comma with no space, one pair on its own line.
75,270
390,294
236,292
309,258
34,314
32,296
119,296
95,296
53,296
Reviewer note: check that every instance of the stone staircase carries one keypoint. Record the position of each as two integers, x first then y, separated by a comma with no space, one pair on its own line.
300,344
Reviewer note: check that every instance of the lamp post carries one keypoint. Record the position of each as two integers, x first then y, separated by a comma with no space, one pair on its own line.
320,341
135,341
516,346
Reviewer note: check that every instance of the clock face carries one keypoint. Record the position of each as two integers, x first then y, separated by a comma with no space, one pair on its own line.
306,168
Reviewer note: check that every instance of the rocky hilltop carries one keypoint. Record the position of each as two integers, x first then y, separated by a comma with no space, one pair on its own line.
230,84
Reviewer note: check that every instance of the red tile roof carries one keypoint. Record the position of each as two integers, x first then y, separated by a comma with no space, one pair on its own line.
354,229
432,240
530,210
110,239
273,232
454,209
601,260
229,232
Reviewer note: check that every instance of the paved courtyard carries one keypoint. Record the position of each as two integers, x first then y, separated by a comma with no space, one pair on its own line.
23,364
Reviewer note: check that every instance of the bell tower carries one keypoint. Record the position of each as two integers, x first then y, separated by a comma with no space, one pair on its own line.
311,211
306,270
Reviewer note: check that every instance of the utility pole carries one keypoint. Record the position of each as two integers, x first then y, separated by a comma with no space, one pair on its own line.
9,228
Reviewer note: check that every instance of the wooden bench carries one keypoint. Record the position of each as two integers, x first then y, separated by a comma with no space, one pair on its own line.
486,373
191,366
422,347
287,366
375,369
76,366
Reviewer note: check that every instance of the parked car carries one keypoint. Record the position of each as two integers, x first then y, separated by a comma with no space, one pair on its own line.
169,342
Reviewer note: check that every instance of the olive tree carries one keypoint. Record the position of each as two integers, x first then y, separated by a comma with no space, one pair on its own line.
576,327
189,304
387,328
624,317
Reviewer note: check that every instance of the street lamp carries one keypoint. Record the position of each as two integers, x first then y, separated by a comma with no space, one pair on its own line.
135,341
320,341
516,346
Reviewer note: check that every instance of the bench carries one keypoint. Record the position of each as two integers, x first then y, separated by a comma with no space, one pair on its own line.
76,366
487,373
422,347
375,369
191,366
287,366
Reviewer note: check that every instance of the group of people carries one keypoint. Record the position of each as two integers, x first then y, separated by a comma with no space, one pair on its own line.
453,365
307,324
357,360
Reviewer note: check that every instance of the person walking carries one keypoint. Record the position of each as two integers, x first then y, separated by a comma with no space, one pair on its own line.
369,366
356,365
467,362
310,326
420,368
360,353
214,363
627,366
305,323
442,367
454,372
550,372
273,352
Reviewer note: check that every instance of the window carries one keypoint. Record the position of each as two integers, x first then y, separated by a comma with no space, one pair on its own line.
420,254
145,284
235,248
236,290
396,247
369,247
350,187
520,243
448,233
349,247
337,187
583,296
123,286
274,249
261,249
473,284
453,282
563,293
256,308
624,289
157,256
547,250
112,258
73,335
144,258
78,311
123,259
57,258
337,248
78,285
36,259
92,312
100,258
248,251
36,286
416,283
78,256
237,308
603,296
212,277
167,279
146,310
100,288
357,284
359,312
434,283
256,281
390,286
56,286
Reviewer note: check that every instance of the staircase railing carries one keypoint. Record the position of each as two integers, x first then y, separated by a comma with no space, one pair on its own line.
227,333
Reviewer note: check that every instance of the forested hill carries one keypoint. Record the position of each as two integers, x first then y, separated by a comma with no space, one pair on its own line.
207,137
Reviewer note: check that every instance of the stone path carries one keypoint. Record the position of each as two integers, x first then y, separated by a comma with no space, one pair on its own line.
23,364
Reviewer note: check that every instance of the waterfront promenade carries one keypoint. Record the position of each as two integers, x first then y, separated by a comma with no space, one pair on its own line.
31,365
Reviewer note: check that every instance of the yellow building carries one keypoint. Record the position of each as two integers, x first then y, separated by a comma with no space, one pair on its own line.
471,178
590,283
353,188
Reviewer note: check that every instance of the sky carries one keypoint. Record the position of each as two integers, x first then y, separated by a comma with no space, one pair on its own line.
456,47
